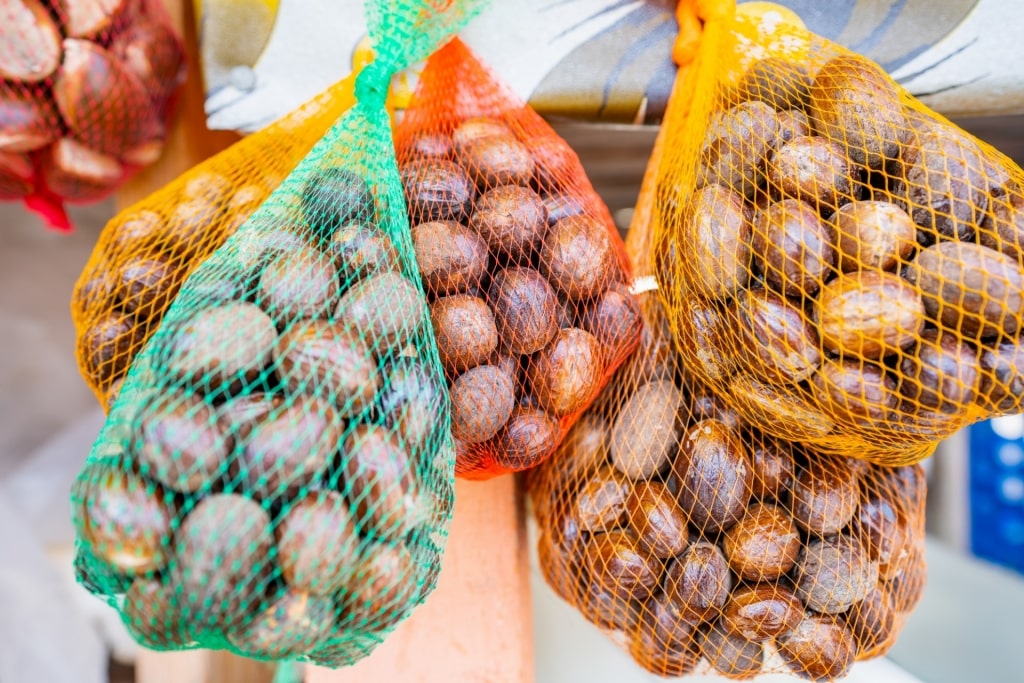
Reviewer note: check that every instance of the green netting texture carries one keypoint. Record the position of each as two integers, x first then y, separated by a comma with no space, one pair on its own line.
276,475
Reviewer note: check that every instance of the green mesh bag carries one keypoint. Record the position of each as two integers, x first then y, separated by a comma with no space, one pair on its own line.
276,476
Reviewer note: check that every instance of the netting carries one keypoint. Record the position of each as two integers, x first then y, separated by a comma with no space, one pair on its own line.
86,95
700,542
522,264
149,249
839,263
276,475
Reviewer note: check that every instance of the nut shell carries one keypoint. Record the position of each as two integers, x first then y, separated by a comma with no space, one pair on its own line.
465,330
482,401
764,544
698,582
512,220
451,257
578,257
566,374
525,309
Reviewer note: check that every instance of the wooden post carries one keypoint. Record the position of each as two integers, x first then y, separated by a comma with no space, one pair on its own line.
476,626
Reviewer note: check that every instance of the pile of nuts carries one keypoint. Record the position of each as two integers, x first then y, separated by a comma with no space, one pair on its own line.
85,94
847,265
284,477
527,285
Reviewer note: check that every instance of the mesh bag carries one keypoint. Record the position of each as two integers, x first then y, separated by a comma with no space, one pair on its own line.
86,94
522,264
147,251
839,263
699,542
276,475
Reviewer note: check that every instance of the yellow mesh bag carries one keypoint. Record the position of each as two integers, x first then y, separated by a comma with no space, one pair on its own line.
839,263
146,251
701,543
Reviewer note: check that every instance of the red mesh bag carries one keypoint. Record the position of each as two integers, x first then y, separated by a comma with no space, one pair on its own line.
86,93
526,274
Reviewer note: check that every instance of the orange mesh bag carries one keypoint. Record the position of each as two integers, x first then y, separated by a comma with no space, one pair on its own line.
839,263
700,543
148,250
525,271
86,93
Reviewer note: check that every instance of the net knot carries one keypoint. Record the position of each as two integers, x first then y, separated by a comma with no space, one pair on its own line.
372,83
692,15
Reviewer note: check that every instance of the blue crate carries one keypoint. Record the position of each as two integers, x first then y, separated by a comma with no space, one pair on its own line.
997,490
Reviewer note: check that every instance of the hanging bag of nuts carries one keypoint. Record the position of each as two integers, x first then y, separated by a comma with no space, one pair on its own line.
86,94
841,264
702,543
522,264
276,476
149,249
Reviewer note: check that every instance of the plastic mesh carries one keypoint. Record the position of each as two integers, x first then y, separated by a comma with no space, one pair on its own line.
699,542
840,264
522,264
148,250
86,94
276,475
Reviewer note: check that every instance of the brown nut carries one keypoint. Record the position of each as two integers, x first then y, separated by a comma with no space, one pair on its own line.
124,519
600,503
825,495
297,286
382,587
561,206
333,196
654,513
812,169
873,623
698,582
16,176
379,482
386,308
525,307
644,435
617,563
663,640
106,347
412,401
615,319
138,230
762,611
578,257
482,401
778,336
360,251
731,654
28,120
777,82
152,615
222,569
869,314
855,102
288,445
90,18
526,440
555,162
317,543
907,587
793,124
706,406
180,443
512,220
146,286
714,474
451,257
1002,377
763,545
436,190
583,450
287,627
872,235
834,573
102,102
702,328
328,360
882,528
73,171
820,648
772,465
465,330
426,144
1003,227
153,52
736,146
31,40
778,411
604,607
794,247
974,290
498,160
942,373
479,128
856,392
716,229
566,374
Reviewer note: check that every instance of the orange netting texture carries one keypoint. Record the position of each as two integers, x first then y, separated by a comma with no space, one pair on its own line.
524,269
841,265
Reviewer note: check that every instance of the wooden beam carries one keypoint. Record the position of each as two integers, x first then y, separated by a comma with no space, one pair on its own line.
477,625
